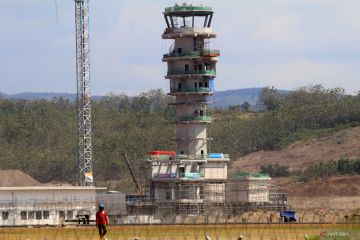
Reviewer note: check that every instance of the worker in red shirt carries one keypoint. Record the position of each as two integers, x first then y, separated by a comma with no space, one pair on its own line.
101,220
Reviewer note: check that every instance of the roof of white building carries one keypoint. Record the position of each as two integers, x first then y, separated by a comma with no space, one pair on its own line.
53,188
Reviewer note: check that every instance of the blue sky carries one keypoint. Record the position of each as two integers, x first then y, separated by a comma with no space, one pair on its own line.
281,43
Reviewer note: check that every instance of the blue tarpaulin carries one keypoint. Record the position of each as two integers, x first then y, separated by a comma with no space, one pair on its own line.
211,83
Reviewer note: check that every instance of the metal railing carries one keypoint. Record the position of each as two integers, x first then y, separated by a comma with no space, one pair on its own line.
192,72
192,175
187,8
196,118
194,157
187,31
206,52
191,89
180,175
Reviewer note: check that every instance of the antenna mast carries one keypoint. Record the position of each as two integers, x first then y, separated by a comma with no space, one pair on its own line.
83,93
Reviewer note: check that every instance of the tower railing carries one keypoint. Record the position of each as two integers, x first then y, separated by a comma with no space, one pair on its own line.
189,175
192,72
187,8
203,53
191,89
189,31
196,118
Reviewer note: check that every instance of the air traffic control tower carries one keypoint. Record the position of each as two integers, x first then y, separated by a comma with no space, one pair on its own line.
191,177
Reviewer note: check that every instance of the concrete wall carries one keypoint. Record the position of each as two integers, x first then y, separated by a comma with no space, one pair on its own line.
191,131
215,170
115,203
214,192
194,147
190,98
191,110
188,44
211,170
188,83
171,170
179,66
248,190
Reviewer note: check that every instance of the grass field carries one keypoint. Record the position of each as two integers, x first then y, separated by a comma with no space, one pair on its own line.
188,232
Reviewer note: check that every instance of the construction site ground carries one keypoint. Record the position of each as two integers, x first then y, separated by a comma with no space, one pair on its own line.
301,154
338,192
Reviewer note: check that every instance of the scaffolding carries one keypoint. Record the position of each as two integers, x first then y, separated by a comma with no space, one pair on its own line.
190,181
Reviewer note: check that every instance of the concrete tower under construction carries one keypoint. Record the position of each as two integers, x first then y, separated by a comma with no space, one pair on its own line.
190,178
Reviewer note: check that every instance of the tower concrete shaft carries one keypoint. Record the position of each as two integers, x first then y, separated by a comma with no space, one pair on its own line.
189,178
191,72
83,92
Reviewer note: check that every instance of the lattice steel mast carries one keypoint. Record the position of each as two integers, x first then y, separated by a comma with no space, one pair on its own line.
83,92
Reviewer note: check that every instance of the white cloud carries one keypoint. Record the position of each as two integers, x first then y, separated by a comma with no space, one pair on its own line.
279,28
290,75
285,43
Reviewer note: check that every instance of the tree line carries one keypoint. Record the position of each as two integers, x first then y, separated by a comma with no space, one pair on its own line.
39,137
324,169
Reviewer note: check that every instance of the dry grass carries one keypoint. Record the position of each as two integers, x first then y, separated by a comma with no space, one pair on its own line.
183,232
300,155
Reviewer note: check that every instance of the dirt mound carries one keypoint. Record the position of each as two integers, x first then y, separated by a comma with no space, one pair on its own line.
300,155
16,178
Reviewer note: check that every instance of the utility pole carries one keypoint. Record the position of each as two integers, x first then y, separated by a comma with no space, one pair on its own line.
83,93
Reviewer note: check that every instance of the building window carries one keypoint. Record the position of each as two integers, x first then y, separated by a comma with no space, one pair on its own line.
181,171
179,50
31,215
46,214
61,214
194,168
186,67
168,195
5,215
202,152
23,215
69,215
195,43
38,215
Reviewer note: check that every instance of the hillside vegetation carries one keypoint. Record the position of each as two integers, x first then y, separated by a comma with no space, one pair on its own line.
39,137
221,99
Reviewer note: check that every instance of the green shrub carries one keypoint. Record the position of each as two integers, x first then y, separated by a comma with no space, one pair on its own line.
275,170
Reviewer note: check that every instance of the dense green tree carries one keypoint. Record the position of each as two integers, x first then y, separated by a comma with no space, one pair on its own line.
40,137
270,98
245,106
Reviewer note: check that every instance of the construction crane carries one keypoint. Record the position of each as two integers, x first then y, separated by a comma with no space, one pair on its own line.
83,93
133,174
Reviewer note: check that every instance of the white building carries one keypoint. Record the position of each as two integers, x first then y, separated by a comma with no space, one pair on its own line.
45,205
248,188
